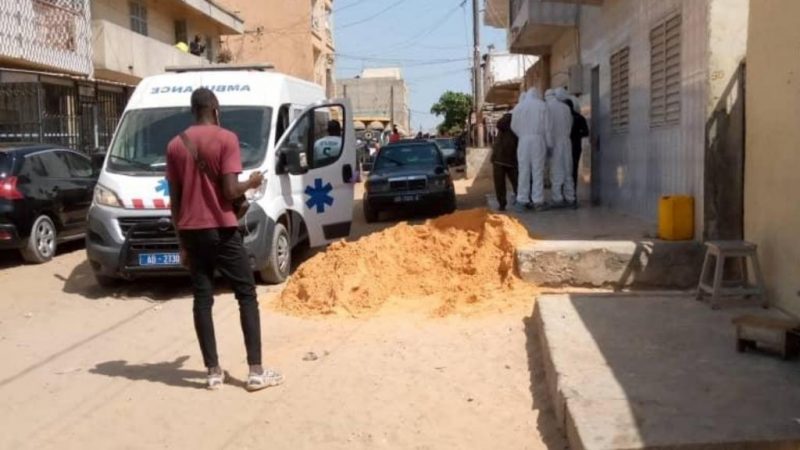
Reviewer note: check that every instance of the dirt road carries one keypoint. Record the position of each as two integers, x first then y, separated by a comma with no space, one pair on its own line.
89,368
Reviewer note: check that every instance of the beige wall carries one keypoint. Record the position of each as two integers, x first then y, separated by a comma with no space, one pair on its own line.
284,39
772,211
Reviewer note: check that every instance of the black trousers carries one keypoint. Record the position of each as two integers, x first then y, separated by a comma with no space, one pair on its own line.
501,173
222,250
577,149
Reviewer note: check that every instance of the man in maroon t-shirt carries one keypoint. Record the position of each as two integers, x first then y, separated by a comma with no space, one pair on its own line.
203,165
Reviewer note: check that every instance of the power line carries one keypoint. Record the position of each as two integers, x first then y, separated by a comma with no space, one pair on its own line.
367,19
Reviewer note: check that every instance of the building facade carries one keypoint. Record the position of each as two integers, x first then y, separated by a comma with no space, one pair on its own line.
68,66
134,39
658,79
379,98
295,36
772,218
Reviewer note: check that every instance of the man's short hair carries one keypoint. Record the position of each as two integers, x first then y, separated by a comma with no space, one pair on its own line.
203,101
334,128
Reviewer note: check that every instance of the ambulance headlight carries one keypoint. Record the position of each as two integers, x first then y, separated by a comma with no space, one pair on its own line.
106,197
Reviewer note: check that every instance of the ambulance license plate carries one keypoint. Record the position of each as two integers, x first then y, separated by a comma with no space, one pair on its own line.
160,259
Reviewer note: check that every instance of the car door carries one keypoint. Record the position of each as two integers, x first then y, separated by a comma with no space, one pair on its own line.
322,190
65,192
83,177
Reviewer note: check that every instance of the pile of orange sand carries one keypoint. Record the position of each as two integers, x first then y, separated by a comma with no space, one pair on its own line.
459,263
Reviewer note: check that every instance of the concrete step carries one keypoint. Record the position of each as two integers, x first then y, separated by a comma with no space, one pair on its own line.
643,264
660,371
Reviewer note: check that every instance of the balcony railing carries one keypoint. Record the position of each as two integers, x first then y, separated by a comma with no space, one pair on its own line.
54,34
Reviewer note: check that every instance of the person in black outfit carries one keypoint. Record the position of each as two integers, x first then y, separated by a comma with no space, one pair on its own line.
580,130
504,160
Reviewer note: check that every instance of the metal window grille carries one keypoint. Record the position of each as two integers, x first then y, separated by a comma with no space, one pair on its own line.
81,115
138,13
665,73
620,90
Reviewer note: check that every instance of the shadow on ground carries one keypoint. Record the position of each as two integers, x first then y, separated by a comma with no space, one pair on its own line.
170,373
547,424
10,259
661,371
81,282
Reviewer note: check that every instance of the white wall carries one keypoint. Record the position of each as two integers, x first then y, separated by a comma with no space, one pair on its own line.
643,164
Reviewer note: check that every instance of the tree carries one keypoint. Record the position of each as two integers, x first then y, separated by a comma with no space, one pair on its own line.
456,108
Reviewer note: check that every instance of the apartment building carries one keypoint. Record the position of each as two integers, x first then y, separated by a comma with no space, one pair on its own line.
68,66
379,97
133,39
296,36
662,83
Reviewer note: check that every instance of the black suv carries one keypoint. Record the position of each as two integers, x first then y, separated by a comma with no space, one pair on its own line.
45,194
409,175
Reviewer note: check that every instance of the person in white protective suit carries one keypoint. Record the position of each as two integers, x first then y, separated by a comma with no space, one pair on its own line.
531,124
562,185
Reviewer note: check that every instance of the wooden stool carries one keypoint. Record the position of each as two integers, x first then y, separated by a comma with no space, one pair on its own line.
740,251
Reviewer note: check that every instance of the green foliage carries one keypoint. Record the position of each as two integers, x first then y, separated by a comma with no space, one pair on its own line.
456,108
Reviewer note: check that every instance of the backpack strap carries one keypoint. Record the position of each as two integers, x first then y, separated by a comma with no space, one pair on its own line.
198,160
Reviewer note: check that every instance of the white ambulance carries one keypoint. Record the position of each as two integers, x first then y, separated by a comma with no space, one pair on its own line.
307,196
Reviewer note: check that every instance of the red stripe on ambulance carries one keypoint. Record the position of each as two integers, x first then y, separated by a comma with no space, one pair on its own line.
138,203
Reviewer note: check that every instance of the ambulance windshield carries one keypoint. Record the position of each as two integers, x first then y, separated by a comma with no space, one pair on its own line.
140,145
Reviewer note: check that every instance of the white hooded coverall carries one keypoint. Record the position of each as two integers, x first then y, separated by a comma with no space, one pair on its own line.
530,123
562,185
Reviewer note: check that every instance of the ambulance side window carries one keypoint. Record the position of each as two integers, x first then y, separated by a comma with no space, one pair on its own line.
328,136
283,122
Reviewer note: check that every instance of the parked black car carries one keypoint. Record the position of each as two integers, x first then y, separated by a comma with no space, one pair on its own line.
409,175
45,194
451,151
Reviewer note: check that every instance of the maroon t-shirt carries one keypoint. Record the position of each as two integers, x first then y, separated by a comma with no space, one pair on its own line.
203,206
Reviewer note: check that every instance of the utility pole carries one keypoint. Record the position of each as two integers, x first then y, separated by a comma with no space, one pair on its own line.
391,106
477,74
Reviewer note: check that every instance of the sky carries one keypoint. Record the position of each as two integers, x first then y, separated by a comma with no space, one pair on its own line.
431,40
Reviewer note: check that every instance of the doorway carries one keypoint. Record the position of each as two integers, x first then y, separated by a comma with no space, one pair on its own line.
594,136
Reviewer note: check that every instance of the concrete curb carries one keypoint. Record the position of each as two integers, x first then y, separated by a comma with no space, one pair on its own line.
616,264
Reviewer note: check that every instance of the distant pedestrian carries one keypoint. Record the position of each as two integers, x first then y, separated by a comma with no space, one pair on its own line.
562,188
504,160
203,165
580,130
395,136
196,47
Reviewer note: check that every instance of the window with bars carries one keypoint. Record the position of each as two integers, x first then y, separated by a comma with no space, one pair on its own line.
620,89
665,73
138,13
181,35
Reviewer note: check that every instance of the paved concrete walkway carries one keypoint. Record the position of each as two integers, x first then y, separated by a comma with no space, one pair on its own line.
584,224
661,371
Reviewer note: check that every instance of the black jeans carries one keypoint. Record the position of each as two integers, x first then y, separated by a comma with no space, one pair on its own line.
501,172
577,149
222,250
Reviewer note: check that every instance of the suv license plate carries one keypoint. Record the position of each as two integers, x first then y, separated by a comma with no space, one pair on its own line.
160,259
406,198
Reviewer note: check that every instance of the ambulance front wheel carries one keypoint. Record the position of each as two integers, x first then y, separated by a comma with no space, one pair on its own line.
279,262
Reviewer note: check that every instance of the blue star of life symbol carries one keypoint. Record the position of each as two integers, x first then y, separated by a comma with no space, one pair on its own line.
319,195
163,186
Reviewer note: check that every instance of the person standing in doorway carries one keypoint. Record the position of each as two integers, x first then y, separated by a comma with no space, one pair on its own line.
562,188
504,160
196,47
395,136
580,130
203,164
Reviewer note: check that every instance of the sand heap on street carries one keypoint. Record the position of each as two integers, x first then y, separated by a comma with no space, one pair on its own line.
461,263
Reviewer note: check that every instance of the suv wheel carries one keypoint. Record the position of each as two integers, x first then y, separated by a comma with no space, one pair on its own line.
40,246
279,264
